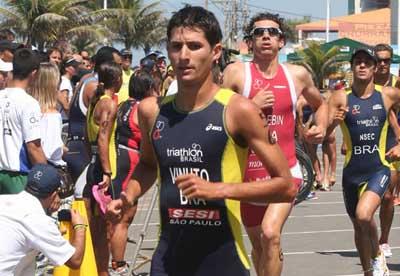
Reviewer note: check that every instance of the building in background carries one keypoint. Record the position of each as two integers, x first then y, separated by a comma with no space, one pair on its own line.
359,6
371,27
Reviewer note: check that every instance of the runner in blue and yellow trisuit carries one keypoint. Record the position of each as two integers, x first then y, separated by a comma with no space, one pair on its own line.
363,114
196,142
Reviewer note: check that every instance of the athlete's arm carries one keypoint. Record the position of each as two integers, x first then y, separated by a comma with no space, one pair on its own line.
35,152
234,77
89,91
337,110
312,95
145,172
392,101
240,112
62,97
107,112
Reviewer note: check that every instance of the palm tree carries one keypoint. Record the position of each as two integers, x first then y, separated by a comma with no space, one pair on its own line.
320,63
42,22
140,26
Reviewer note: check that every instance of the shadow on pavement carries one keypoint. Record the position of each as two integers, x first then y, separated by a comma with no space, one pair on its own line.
349,254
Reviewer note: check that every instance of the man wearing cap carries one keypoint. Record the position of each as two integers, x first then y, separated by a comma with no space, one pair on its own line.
362,114
27,228
127,72
20,114
5,68
68,70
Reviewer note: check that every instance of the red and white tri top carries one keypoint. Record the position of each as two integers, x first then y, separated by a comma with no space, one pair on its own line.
281,117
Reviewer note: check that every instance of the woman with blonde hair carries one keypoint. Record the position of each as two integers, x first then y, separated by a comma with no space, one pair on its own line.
44,89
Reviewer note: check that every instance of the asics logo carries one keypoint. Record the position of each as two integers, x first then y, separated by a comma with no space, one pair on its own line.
212,127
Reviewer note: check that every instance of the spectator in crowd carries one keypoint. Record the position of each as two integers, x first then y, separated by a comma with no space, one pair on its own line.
7,50
27,228
141,85
77,156
55,55
69,69
5,68
170,77
7,34
20,114
123,93
100,128
84,54
44,89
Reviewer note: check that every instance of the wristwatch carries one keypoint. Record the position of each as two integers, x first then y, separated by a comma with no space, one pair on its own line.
107,173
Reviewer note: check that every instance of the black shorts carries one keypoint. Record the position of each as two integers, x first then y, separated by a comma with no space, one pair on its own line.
354,184
77,158
172,260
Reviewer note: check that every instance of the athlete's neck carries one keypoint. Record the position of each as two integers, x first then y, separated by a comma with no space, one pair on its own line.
363,89
267,67
194,95
382,79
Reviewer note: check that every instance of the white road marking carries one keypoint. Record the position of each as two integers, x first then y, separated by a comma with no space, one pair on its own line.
327,251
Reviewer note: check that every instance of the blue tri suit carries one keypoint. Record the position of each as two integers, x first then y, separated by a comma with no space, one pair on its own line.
365,133
198,237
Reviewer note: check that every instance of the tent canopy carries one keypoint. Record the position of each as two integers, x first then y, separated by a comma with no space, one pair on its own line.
346,48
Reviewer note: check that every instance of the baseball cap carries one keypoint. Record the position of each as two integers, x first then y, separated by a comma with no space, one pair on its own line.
43,180
151,52
147,64
5,66
159,54
8,45
365,50
126,52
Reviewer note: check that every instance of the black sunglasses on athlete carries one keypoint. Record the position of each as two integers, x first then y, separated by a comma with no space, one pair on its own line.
272,31
384,60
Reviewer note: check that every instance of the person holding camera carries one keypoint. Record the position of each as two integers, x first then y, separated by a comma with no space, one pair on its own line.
27,227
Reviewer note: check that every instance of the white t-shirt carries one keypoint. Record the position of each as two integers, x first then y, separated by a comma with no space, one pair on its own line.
52,144
173,88
19,122
26,230
65,85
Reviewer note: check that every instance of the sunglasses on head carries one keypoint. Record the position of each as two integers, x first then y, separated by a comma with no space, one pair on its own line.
272,31
384,60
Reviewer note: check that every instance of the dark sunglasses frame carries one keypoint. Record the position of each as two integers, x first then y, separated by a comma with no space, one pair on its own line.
127,56
272,31
385,60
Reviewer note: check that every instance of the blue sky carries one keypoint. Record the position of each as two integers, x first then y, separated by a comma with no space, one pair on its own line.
287,8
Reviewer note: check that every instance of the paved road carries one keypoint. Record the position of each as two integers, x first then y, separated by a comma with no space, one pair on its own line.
317,239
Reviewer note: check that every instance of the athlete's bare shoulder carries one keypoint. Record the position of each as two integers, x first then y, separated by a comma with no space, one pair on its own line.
393,95
338,98
234,77
241,117
148,110
298,72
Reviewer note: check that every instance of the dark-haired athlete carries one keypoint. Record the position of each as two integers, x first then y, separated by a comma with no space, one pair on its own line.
363,116
197,142
274,88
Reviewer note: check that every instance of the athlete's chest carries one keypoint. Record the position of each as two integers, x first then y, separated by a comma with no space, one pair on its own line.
367,113
189,139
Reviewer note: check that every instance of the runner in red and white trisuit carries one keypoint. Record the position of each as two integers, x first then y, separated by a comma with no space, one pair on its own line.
275,88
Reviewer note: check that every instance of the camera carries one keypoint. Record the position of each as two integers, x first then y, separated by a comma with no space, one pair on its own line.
64,215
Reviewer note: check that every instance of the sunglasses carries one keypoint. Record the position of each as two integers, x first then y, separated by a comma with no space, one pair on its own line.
260,31
384,60
127,57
